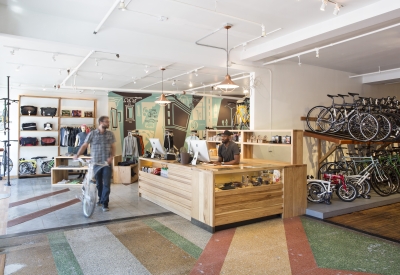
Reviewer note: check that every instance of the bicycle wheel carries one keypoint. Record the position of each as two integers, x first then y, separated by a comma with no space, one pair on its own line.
394,176
382,184
46,167
89,197
334,166
9,165
347,193
385,127
24,168
319,119
315,191
363,127
363,188
338,120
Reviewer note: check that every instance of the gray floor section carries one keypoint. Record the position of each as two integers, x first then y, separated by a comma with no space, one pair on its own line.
124,203
339,207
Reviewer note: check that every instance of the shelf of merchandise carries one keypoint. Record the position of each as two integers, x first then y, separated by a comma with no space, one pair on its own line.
60,106
296,145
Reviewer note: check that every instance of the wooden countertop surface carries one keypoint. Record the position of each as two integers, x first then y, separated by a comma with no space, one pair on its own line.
244,166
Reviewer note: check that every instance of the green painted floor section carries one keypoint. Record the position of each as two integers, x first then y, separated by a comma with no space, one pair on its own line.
175,238
63,255
339,248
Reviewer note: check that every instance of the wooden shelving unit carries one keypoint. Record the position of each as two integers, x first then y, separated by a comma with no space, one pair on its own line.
61,103
296,145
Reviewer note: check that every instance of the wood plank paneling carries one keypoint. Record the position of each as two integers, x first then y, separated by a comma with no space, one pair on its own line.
295,191
247,214
248,205
253,196
166,181
203,197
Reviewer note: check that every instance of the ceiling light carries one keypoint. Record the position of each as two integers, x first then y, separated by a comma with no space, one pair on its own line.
174,82
17,69
54,57
227,85
162,101
299,60
96,62
122,6
195,73
323,5
133,80
162,18
337,9
245,91
59,72
263,30
317,53
190,84
146,69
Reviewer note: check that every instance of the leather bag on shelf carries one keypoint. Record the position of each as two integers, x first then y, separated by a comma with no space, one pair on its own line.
28,141
76,113
47,141
28,110
65,113
29,126
48,111
88,114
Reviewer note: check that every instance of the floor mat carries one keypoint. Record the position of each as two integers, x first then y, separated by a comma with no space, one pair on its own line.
380,221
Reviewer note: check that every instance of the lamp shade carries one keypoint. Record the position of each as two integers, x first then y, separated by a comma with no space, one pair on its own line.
162,100
227,85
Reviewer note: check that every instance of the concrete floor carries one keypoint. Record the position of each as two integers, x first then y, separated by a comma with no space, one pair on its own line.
124,203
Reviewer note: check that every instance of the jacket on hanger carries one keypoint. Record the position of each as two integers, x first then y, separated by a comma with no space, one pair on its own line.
130,147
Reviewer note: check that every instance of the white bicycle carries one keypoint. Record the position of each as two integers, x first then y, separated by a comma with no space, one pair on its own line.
89,197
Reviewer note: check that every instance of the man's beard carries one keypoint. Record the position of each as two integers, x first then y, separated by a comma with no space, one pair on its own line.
104,127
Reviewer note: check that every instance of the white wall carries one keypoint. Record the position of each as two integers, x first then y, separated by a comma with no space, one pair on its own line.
295,89
102,109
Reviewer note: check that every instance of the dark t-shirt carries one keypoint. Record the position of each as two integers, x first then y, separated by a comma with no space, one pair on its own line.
228,153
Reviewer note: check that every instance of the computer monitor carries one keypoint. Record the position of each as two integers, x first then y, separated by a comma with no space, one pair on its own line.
200,150
157,147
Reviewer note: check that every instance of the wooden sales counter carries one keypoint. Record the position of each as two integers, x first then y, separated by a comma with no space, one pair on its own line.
193,191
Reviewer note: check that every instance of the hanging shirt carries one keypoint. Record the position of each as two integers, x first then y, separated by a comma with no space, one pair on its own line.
130,147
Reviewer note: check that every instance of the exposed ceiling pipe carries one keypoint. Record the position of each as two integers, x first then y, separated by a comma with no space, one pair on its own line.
330,45
378,72
116,3
167,79
76,69
211,46
251,40
214,84
137,91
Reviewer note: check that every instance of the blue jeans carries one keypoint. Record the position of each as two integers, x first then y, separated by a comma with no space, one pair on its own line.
103,181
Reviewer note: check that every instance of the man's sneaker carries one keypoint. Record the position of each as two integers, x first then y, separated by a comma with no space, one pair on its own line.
105,208
98,203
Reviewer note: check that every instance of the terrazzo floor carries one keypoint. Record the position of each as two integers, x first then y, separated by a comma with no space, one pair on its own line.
169,244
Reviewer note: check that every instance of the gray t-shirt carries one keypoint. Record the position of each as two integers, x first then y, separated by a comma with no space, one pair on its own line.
82,137
100,145
228,153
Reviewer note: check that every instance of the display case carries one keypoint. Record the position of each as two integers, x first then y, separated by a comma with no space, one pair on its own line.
194,192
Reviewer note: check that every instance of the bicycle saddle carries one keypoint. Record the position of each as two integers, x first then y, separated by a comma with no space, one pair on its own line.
332,96
38,157
342,95
353,94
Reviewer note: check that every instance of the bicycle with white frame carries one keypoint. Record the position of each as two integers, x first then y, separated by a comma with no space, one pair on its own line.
89,197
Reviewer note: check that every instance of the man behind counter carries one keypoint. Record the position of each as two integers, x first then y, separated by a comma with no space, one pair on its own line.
228,151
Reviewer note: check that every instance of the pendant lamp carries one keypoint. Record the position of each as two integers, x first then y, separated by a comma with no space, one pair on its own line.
162,101
227,85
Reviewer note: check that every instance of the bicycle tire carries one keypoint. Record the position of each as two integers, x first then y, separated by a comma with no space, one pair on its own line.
46,167
385,127
338,120
315,192
382,187
363,127
24,168
89,198
363,188
395,121
348,195
319,119
394,176
9,165
335,165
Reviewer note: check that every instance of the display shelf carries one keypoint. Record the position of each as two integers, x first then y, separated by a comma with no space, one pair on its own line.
38,146
61,103
296,145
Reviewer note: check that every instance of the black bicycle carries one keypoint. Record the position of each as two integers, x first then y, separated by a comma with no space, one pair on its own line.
6,162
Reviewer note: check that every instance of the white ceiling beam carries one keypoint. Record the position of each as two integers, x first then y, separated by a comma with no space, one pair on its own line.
116,3
377,13
381,77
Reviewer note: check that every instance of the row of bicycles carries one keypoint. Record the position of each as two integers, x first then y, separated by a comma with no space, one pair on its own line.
29,167
363,119
353,175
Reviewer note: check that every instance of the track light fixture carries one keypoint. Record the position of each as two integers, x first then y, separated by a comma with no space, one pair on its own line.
54,57
324,4
12,52
299,60
96,62
146,69
174,82
337,9
190,84
122,6
317,53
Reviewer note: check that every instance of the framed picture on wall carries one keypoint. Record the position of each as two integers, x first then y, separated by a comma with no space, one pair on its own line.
114,117
119,117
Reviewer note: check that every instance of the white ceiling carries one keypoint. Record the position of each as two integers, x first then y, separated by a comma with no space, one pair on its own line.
65,27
